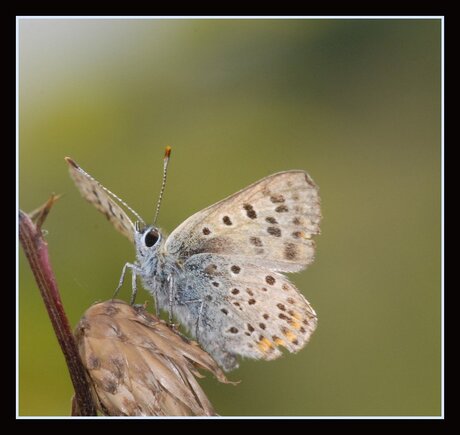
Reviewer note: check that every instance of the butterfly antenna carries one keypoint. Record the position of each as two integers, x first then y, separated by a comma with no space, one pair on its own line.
79,169
163,184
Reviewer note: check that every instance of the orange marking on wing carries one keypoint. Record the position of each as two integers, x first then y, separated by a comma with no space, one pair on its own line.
289,335
265,345
295,324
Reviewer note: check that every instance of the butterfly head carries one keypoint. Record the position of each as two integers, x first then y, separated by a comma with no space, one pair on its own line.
148,240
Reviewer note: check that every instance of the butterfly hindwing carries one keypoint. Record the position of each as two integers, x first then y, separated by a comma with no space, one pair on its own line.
247,310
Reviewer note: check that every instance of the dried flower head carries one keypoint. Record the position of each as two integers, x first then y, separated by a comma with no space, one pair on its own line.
139,365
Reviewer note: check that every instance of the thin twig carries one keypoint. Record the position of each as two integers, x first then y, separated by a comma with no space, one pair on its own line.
39,215
36,251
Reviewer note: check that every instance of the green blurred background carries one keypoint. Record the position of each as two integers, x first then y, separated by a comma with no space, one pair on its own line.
356,103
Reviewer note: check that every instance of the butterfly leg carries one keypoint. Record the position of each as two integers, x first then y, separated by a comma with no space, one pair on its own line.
200,311
170,281
134,270
155,298
133,286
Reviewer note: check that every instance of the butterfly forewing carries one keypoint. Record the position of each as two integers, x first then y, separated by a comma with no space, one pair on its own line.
94,193
271,221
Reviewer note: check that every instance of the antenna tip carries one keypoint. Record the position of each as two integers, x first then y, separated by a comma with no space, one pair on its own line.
167,152
71,162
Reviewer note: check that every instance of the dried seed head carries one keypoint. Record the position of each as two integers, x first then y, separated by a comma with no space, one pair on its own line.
139,366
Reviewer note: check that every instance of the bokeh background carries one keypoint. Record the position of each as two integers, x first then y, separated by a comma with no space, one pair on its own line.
356,103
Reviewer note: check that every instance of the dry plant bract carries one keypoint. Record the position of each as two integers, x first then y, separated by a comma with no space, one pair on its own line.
138,365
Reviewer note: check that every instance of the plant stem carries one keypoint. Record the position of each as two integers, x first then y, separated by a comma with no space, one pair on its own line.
36,251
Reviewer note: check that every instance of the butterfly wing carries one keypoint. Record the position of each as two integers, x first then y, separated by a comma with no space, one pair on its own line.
271,221
246,309
95,194
231,291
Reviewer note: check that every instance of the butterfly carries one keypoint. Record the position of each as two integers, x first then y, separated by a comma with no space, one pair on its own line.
221,272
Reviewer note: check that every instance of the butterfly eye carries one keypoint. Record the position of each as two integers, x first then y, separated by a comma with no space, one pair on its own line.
151,238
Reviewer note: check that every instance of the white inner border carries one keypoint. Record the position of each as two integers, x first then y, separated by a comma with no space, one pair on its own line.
233,17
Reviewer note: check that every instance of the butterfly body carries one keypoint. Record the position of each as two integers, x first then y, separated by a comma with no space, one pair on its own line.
221,272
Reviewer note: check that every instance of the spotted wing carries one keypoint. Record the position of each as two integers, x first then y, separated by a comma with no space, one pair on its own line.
96,194
271,222
246,309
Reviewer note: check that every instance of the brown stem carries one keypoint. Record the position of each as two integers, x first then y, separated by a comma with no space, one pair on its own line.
36,251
